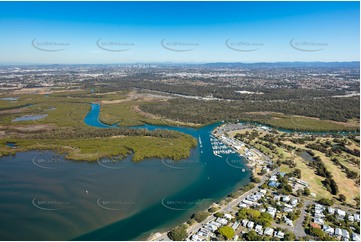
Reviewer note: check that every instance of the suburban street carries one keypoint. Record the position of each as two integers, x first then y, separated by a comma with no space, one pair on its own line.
224,209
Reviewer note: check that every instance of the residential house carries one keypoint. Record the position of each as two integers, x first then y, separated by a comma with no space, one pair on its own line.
328,229
286,198
279,234
318,221
244,222
355,237
272,211
273,184
273,178
227,216
331,210
338,232
345,234
222,221
314,225
250,225
294,202
288,221
268,231
235,225
259,229
340,213
319,207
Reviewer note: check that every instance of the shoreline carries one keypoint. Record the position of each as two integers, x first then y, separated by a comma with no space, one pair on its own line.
161,235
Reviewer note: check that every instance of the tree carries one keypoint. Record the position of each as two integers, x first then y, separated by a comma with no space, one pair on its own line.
317,232
325,201
200,216
265,220
297,173
357,200
253,214
226,231
179,233
219,215
213,209
289,236
306,191
252,236
342,197
242,214
256,180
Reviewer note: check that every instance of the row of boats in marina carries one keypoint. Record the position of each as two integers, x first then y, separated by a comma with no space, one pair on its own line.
219,148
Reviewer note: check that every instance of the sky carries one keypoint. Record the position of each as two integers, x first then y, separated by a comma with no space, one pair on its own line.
178,32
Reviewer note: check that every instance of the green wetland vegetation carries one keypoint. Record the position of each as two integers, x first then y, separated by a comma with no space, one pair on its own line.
64,131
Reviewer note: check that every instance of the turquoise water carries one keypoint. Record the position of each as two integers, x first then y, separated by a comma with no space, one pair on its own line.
48,197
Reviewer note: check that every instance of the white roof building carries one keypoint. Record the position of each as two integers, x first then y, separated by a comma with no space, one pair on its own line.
345,234
279,234
329,230
319,207
222,221
250,225
288,222
338,232
319,221
286,198
287,210
268,231
294,201
341,213
273,178
263,191
259,229
211,227
331,210
227,216
244,222
247,202
355,237
243,205
235,225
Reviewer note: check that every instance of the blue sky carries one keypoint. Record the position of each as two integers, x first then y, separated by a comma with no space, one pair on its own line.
191,32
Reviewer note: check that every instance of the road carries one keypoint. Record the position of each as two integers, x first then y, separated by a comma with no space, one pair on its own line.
223,209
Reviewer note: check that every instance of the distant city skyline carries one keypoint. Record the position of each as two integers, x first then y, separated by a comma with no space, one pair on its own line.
178,32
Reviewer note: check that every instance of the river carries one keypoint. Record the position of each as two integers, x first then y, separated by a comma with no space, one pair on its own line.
47,197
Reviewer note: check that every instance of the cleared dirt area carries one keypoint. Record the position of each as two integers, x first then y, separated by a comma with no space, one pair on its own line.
134,95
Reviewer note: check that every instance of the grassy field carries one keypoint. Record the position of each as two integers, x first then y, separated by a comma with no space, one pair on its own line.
347,186
293,122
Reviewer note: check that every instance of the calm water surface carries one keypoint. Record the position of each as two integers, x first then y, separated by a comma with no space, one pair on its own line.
47,197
